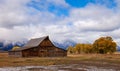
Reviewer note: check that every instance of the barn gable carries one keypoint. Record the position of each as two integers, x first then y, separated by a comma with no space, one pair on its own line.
46,42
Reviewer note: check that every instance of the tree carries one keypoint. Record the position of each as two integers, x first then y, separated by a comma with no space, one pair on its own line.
104,45
83,48
78,48
88,48
70,50
15,48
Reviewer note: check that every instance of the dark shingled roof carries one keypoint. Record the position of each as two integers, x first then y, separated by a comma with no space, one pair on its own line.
32,43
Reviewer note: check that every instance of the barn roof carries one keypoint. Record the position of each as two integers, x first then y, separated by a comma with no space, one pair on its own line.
35,42
32,43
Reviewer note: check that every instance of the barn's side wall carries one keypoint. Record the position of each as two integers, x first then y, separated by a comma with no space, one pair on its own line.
51,51
32,52
60,52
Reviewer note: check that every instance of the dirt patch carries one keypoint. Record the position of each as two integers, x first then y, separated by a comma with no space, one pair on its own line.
72,67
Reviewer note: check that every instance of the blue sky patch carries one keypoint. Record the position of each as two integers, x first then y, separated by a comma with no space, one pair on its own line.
43,5
50,7
83,3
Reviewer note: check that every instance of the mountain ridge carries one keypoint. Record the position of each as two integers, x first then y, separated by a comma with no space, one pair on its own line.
8,46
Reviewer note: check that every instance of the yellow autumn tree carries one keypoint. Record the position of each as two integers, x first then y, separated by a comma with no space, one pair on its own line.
15,47
104,45
83,48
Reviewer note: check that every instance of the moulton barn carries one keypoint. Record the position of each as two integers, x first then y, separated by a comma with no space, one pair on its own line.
39,47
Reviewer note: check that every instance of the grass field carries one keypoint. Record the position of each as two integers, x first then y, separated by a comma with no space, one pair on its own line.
89,59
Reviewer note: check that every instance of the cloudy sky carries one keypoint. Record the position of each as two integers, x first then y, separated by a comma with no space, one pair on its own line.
79,20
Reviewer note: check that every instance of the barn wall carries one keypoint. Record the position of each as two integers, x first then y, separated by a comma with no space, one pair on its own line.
46,51
32,52
51,52
60,52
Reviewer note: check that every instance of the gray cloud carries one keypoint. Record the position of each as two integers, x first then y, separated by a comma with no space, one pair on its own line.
12,13
95,19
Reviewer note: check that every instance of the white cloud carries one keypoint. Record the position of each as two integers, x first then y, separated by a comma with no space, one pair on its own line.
18,22
15,34
96,18
12,13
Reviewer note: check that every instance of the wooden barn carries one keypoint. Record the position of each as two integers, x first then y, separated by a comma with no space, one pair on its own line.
39,47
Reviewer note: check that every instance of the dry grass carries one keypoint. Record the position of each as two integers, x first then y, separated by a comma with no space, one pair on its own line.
114,59
117,53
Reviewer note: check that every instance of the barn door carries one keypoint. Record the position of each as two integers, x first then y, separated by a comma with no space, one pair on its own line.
51,53
33,52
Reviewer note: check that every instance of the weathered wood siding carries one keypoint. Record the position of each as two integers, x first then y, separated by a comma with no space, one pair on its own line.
32,52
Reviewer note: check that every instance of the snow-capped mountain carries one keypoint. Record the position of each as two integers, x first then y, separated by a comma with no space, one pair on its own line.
118,48
65,44
9,45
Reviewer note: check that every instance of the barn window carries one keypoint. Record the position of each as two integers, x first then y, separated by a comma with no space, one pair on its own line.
50,50
34,49
42,51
